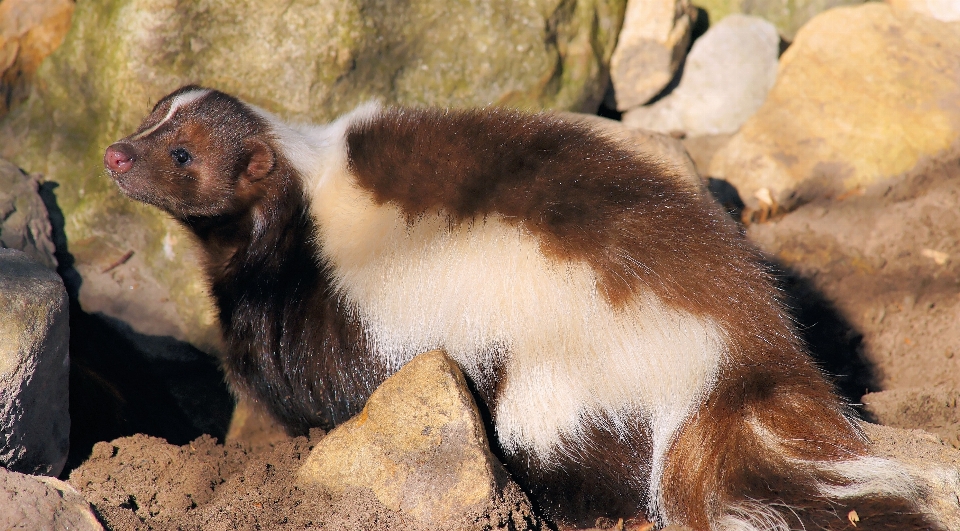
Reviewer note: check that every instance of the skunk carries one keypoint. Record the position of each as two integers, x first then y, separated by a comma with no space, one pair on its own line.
626,340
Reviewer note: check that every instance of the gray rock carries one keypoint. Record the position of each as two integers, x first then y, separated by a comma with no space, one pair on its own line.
418,445
34,366
37,502
307,60
24,223
727,76
650,49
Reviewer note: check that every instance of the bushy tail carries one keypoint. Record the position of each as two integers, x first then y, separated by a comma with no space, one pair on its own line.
764,454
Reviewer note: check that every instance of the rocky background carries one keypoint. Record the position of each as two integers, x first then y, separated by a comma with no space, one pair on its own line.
829,128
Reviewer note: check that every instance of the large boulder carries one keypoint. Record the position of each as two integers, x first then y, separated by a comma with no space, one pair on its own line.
37,502
34,366
726,78
788,15
305,60
849,112
24,220
650,49
418,445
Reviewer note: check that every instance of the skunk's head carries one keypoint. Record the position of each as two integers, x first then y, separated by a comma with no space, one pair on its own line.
200,153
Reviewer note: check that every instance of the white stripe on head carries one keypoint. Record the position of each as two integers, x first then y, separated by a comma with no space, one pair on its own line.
182,99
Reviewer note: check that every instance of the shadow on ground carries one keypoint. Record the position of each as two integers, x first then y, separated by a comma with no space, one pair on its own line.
123,382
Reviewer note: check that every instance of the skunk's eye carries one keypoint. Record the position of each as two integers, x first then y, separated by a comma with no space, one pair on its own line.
180,156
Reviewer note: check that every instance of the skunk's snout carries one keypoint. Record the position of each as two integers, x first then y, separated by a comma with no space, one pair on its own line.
119,158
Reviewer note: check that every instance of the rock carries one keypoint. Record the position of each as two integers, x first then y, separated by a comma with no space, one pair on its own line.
651,47
846,113
788,15
37,502
419,445
945,10
925,457
727,76
304,60
703,148
34,366
888,260
933,409
29,31
24,222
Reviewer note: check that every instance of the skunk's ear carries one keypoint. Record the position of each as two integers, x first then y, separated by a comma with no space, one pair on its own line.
260,159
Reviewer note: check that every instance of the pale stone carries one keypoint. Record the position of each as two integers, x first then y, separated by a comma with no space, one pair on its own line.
34,366
29,31
727,76
24,221
419,446
846,113
651,47
37,502
306,60
945,10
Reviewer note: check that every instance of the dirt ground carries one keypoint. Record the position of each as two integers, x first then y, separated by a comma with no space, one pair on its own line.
887,260
873,279
142,482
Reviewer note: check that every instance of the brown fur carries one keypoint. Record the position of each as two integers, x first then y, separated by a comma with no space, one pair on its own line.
603,475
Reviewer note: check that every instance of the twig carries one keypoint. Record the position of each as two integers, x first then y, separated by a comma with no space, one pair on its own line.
123,259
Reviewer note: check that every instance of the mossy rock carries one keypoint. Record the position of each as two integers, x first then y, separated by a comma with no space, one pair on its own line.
305,60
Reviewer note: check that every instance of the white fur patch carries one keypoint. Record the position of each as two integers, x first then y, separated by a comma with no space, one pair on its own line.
484,290
751,517
859,476
178,102
316,151
869,475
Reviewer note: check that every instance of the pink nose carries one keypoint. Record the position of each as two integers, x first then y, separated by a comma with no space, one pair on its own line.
118,158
